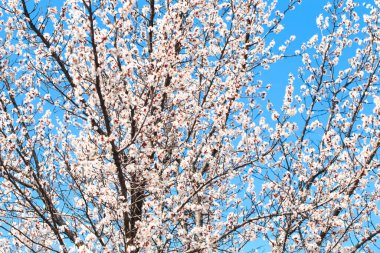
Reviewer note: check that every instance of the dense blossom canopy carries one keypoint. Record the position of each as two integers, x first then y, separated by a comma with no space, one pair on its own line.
145,126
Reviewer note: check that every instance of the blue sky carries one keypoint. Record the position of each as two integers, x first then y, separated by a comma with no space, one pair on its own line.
302,23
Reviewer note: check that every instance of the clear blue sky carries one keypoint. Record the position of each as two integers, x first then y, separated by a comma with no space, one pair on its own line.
302,23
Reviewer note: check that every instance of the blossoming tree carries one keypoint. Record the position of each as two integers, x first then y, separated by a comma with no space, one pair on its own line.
143,126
